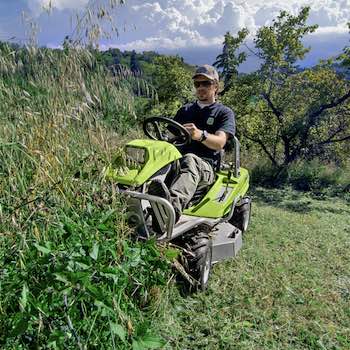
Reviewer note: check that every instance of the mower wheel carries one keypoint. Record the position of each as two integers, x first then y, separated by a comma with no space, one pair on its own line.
200,265
242,214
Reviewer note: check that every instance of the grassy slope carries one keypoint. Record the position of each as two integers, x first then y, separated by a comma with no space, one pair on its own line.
288,289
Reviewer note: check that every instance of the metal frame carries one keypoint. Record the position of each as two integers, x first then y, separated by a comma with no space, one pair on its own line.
237,156
165,216
227,239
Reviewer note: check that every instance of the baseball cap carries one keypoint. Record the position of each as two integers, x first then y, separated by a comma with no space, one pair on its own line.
208,71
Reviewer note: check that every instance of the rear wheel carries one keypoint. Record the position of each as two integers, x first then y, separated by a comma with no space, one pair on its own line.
242,214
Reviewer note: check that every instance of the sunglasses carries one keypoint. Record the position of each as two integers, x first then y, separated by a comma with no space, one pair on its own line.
204,83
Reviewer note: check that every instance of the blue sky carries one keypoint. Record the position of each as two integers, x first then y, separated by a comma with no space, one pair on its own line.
193,29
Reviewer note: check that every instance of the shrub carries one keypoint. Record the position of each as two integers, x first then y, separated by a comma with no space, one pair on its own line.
314,175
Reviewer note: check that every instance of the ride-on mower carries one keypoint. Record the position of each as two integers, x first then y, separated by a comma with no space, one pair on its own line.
210,229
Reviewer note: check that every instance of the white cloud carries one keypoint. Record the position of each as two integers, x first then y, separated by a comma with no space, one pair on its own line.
187,23
165,43
175,24
37,6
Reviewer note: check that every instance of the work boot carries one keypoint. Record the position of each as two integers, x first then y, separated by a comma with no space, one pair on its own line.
159,189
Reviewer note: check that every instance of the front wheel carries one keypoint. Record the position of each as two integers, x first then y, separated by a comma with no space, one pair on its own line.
200,265
242,214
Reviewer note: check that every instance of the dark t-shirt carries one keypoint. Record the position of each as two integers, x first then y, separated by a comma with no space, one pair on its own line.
211,118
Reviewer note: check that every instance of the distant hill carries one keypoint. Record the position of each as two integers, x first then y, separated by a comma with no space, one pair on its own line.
137,62
340,69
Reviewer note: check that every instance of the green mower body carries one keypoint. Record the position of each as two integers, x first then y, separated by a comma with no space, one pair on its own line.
212,224
147,157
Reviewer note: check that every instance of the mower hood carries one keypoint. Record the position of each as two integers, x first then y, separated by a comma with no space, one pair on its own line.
143,158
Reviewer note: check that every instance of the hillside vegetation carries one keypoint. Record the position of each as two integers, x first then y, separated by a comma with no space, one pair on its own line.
69,276
72,277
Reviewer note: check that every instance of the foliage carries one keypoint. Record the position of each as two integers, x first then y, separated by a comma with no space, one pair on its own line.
319,177
112,58
134,64
344,58
291,114
173,83
81,88
76,283
302,118
279,46
70,277
229,61
315,176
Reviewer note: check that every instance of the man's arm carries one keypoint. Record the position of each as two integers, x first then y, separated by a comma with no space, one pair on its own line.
215,141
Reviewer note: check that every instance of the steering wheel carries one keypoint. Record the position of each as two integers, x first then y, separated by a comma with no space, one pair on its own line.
182,138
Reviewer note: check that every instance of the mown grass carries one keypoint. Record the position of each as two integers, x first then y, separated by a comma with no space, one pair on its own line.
289,288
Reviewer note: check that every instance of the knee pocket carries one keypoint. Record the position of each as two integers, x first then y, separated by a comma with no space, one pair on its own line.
191,162
208,176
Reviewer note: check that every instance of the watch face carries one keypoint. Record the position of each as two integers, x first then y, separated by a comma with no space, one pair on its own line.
205,135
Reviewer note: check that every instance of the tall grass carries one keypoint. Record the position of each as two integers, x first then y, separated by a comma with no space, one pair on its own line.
69,276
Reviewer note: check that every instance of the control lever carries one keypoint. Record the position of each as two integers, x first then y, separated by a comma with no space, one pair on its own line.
230,169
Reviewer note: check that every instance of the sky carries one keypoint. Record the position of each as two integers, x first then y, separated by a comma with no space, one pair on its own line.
194,29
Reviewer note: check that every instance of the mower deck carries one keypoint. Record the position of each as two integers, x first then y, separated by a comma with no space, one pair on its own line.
227,239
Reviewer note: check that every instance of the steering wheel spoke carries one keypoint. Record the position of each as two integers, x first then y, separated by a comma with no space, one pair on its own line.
158,131
160,123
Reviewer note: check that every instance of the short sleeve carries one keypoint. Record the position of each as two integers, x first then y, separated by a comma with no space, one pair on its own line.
179,119
226,122
179,116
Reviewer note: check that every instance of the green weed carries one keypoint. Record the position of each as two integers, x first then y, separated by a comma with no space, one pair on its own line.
70,277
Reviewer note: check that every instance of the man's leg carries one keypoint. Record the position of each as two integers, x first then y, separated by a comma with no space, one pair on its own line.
194,172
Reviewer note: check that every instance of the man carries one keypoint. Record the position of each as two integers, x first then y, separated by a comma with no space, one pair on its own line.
210,124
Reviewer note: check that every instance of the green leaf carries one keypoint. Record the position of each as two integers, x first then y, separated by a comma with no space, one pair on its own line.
171,254
69,227
20,327
150,341
94,252
62,278
137,346
103,306
118,330
107,215
244,324
102,227
24,297
82,265
42,249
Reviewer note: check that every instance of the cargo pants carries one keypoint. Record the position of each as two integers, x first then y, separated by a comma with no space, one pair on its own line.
194,174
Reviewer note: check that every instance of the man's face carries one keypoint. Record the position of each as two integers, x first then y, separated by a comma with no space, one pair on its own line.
205,88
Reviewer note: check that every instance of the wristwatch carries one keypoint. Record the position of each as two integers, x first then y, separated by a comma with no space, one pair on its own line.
204,136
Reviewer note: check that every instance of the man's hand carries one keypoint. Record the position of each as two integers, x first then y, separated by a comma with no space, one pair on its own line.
196,133
215,142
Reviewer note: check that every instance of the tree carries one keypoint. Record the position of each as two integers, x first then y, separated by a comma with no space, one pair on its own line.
290,113
173,82
229,60
345,56
134,64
